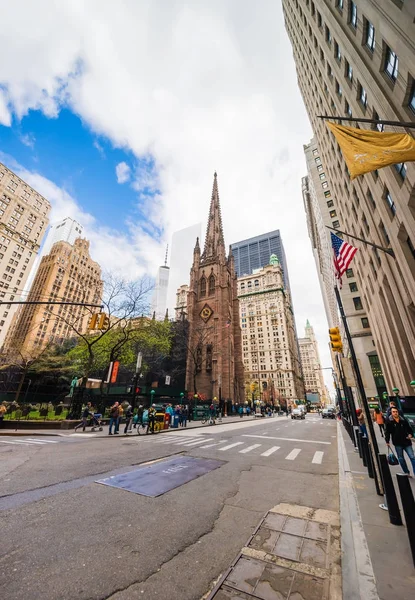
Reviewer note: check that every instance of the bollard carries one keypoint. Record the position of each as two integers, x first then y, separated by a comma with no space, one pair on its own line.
391,499
363,449
357,436
408,505
366,454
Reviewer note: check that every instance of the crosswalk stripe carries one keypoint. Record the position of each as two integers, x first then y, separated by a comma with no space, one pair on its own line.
42,441
293,454
14,442
35,443
198,442
231,446
271,451
245,450
317,458
211,445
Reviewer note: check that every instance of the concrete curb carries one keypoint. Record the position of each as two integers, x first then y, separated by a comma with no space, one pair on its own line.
357,571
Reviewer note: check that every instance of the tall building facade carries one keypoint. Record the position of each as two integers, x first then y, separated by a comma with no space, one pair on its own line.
68,273
269,340
66,230
214,362
356,58
182,244
181,302
254,253
159,300
24,217
321,208
311,365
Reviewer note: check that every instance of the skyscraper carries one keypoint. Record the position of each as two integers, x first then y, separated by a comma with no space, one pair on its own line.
181,254
159,300
254,253
321,211
214,358
269,340
311,365
66,230
24,217
66,272
357,58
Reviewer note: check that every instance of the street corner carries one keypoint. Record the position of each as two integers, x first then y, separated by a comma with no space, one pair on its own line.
294,553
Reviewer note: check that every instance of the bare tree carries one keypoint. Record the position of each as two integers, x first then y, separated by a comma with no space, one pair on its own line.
195,344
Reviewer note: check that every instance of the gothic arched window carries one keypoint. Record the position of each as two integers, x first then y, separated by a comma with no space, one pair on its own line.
209,357
211,284
202,286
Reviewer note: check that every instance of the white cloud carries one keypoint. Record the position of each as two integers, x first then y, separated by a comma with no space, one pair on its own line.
100,149
196,87
28,139
5,116
123,172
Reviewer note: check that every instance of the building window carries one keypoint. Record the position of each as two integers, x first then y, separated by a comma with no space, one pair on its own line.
322,176
328,36
411,101
327,194
333,214
211,284
362,96
336,224
348,109
353,14
410,246
391,64
319,20
330,203
370,36
202,287
338,89
349,273
365,322
357,303
337,52
325,185
371,199
384,233
390,202
340,4
349,71
401,170
353,287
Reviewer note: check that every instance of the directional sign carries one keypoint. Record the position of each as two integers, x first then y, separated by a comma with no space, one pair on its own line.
159,478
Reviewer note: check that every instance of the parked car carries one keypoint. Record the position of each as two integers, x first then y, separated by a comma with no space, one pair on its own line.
328,413
297,413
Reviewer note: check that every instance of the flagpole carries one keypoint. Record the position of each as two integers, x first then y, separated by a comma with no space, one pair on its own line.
361,388
386,250
372,121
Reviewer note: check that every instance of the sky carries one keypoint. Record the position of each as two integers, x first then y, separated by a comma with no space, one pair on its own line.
120,117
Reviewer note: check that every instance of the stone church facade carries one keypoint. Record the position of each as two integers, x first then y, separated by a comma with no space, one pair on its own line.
214,363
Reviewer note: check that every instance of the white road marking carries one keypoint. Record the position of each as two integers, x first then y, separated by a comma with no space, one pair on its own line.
211,445
197,442
14,442
35,443
270,451
293,454
83,434
42,441
317,458
232,446
249,449
269,437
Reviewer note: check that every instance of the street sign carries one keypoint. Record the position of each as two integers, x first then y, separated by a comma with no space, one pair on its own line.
159,478
114,373
168,379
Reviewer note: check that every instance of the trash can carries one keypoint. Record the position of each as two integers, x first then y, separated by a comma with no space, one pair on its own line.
175,421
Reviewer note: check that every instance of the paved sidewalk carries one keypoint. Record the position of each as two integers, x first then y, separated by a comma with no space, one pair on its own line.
387,544
65,432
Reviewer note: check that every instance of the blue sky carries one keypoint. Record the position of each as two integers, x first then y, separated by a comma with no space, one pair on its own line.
65,151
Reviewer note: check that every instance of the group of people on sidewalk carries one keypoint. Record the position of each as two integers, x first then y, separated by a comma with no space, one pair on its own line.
393,428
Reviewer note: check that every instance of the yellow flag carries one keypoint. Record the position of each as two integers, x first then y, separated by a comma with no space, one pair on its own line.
365,150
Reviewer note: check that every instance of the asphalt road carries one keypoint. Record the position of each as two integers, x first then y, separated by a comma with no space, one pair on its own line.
64,536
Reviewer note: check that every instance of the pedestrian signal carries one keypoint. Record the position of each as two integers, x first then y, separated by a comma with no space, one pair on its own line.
92,323
335,339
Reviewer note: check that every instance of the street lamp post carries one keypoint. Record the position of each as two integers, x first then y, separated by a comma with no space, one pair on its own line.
195,397
152,393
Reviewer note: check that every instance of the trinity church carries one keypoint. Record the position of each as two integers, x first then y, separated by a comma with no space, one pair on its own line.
214,366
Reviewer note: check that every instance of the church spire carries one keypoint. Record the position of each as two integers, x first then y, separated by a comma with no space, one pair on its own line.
214,241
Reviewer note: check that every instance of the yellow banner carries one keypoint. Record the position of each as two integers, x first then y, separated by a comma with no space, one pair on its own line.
365,150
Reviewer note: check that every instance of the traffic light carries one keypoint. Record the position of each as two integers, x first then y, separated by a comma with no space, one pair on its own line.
335,339
104,322
92,323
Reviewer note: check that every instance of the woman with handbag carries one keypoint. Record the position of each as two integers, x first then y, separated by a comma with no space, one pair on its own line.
400,431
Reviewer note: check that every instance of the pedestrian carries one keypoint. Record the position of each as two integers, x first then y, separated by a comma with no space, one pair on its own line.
392,404
400,431
114,416
361,421
241,411
151,417
378,418
86,413
120,416
212,414
3,410
179,413
169,411
185,412
128,418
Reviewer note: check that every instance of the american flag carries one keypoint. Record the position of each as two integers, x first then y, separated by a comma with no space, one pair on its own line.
343,255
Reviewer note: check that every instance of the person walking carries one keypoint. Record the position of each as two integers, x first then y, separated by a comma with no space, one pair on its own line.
378,418
361,421
400,431
151,418
114,416
392,404
128,419
185,413
3,410
86,413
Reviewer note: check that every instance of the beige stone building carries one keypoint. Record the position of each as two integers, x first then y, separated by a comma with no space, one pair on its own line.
322,211
68,274
24,217
311,365
181,302
357,58
269,341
